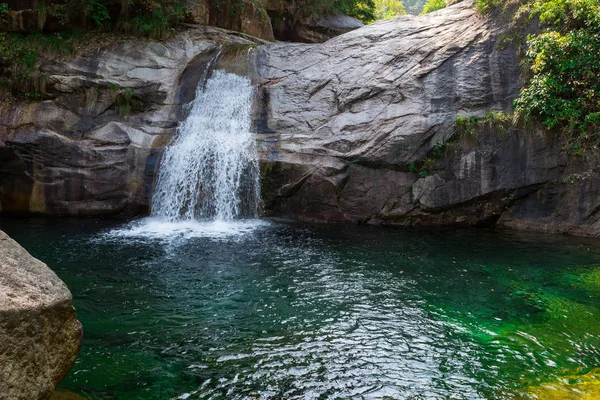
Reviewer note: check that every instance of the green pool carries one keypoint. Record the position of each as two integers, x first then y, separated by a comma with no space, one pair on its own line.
288,311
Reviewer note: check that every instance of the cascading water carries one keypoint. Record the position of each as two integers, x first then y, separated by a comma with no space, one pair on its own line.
210,171
208,182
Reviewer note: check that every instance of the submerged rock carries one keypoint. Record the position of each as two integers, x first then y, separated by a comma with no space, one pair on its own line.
40,335
61,394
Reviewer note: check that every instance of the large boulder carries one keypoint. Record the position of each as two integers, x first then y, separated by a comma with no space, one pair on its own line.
311,29
272,19
244,16
40,335
321,29
385,94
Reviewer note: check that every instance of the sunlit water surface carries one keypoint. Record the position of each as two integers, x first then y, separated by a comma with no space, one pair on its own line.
260,310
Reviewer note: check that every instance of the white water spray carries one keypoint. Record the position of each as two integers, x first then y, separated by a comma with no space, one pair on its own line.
208,182
210,171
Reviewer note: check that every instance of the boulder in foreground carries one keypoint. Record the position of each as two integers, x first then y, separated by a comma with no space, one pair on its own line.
40,335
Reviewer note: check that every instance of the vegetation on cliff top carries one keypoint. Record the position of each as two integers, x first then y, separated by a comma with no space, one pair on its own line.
388,9
564,86
562,90
64,26
80,24
433,5
365,10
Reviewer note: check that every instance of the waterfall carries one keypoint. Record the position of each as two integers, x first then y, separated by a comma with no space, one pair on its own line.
210,171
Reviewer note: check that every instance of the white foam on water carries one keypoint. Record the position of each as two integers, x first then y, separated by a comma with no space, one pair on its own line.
161,229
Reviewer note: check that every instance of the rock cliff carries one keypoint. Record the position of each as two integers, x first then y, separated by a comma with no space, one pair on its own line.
348,130
40,335
353,130
76,153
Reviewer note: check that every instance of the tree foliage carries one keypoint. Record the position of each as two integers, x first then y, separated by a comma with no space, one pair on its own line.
564,87
22,54
389,8
433,5
414,6
152,18
20,58
363,10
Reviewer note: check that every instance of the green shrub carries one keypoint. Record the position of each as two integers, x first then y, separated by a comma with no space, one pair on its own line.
363,10
564,84
486,6
467,128
95,11
160,22
3,12
151,18
566,15
21,56
433,5
563,91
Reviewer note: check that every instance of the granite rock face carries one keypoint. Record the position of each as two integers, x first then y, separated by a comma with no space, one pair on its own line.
384,94
320,30
352,130
40,335
77,153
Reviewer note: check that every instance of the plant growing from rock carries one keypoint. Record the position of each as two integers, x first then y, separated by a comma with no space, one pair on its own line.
41,11
564,88
125,100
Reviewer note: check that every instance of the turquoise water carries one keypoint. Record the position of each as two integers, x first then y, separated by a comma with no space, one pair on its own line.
286,311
